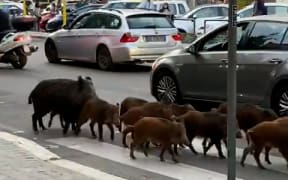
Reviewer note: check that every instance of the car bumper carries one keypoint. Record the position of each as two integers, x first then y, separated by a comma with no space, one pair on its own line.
135,54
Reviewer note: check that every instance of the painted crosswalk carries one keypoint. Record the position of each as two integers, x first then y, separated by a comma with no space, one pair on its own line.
152,164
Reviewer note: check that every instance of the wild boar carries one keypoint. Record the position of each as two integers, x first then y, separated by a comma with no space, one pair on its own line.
102,112
151,109
130,102
249,115
209,125
163,131
64,96
267,134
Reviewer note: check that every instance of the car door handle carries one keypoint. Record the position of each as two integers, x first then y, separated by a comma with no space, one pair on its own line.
225,61
275,60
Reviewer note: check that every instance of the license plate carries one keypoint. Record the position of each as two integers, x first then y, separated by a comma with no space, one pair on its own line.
26,49
155,38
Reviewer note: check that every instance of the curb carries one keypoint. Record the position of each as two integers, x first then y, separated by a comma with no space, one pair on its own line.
46,155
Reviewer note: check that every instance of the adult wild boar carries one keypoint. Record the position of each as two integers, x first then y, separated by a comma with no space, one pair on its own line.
131,102
102,112
267,134
62,96
163,131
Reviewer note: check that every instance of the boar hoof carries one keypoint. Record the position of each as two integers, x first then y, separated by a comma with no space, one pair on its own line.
36,132
242,164
262,167
125,145
132,157
162,159
101,139
175,161
222,157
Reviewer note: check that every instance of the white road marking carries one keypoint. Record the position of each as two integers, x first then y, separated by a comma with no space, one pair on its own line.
50,157
152,163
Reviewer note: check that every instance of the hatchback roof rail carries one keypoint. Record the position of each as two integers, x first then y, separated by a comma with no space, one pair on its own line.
112,9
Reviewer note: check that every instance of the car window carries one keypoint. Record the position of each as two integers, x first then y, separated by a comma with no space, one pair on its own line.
122,5
88,22
246,13
181,9
145,21
112,22
219,40
266,36
172,8
206,12
223,11
279,10
284,45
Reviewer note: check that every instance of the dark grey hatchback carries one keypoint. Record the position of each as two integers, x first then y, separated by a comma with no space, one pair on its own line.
198,72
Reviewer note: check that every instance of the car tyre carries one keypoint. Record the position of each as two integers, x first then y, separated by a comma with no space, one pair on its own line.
280,100
51,52
166,88
22,61
104,59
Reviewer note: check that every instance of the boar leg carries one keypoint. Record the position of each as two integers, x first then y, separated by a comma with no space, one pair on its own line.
246,151
219,148
52,114
100,131
110,127
34,123
172,154
40,121
163,149
66,127
204,143
206,149
225,142
256,154
175,149
91,125
190,138
61,121
132,147
267,150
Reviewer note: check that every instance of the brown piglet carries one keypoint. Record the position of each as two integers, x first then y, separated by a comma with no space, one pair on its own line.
160,130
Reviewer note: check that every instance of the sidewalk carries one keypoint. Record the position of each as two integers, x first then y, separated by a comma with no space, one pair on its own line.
18,163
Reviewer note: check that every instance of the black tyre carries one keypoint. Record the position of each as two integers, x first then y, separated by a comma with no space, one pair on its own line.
280,100
51,52
104,60
165,88
22,61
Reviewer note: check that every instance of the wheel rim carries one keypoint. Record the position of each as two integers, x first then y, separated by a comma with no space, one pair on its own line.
283,104
102,61
166,88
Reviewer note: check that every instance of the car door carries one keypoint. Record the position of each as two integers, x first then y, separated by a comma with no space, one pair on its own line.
206,72
67,39
88,37
262,55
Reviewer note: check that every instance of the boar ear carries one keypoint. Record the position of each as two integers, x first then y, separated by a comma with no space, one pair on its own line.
89,78
117,104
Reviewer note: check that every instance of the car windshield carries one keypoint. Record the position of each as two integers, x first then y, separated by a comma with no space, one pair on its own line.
148,21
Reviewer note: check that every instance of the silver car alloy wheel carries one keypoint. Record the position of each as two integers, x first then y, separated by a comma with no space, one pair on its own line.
166,88
283,104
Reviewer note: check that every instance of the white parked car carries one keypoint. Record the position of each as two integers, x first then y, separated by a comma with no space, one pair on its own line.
200,14
280,9
178,7
110,36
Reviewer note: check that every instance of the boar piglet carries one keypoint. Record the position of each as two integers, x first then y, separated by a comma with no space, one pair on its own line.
102,112
151,109
209,125
267,134
131,102
63,96
248,115
163,131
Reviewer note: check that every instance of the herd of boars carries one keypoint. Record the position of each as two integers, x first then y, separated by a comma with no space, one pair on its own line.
165,125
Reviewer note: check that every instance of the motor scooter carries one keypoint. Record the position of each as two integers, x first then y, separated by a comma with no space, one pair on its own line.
15,47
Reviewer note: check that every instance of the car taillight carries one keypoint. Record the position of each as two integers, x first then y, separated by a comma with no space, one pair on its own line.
22,38
127,37
177,37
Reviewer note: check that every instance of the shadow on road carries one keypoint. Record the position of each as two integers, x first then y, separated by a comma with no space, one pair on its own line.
118,67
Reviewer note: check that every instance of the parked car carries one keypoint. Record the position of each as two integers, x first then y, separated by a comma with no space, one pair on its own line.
280,9
110,36
199,14
56,22
199,71
178,7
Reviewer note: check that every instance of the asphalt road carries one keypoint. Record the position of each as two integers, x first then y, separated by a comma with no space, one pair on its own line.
15,117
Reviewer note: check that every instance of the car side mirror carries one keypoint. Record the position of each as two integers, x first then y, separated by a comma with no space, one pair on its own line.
194,16
193,49
66,27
